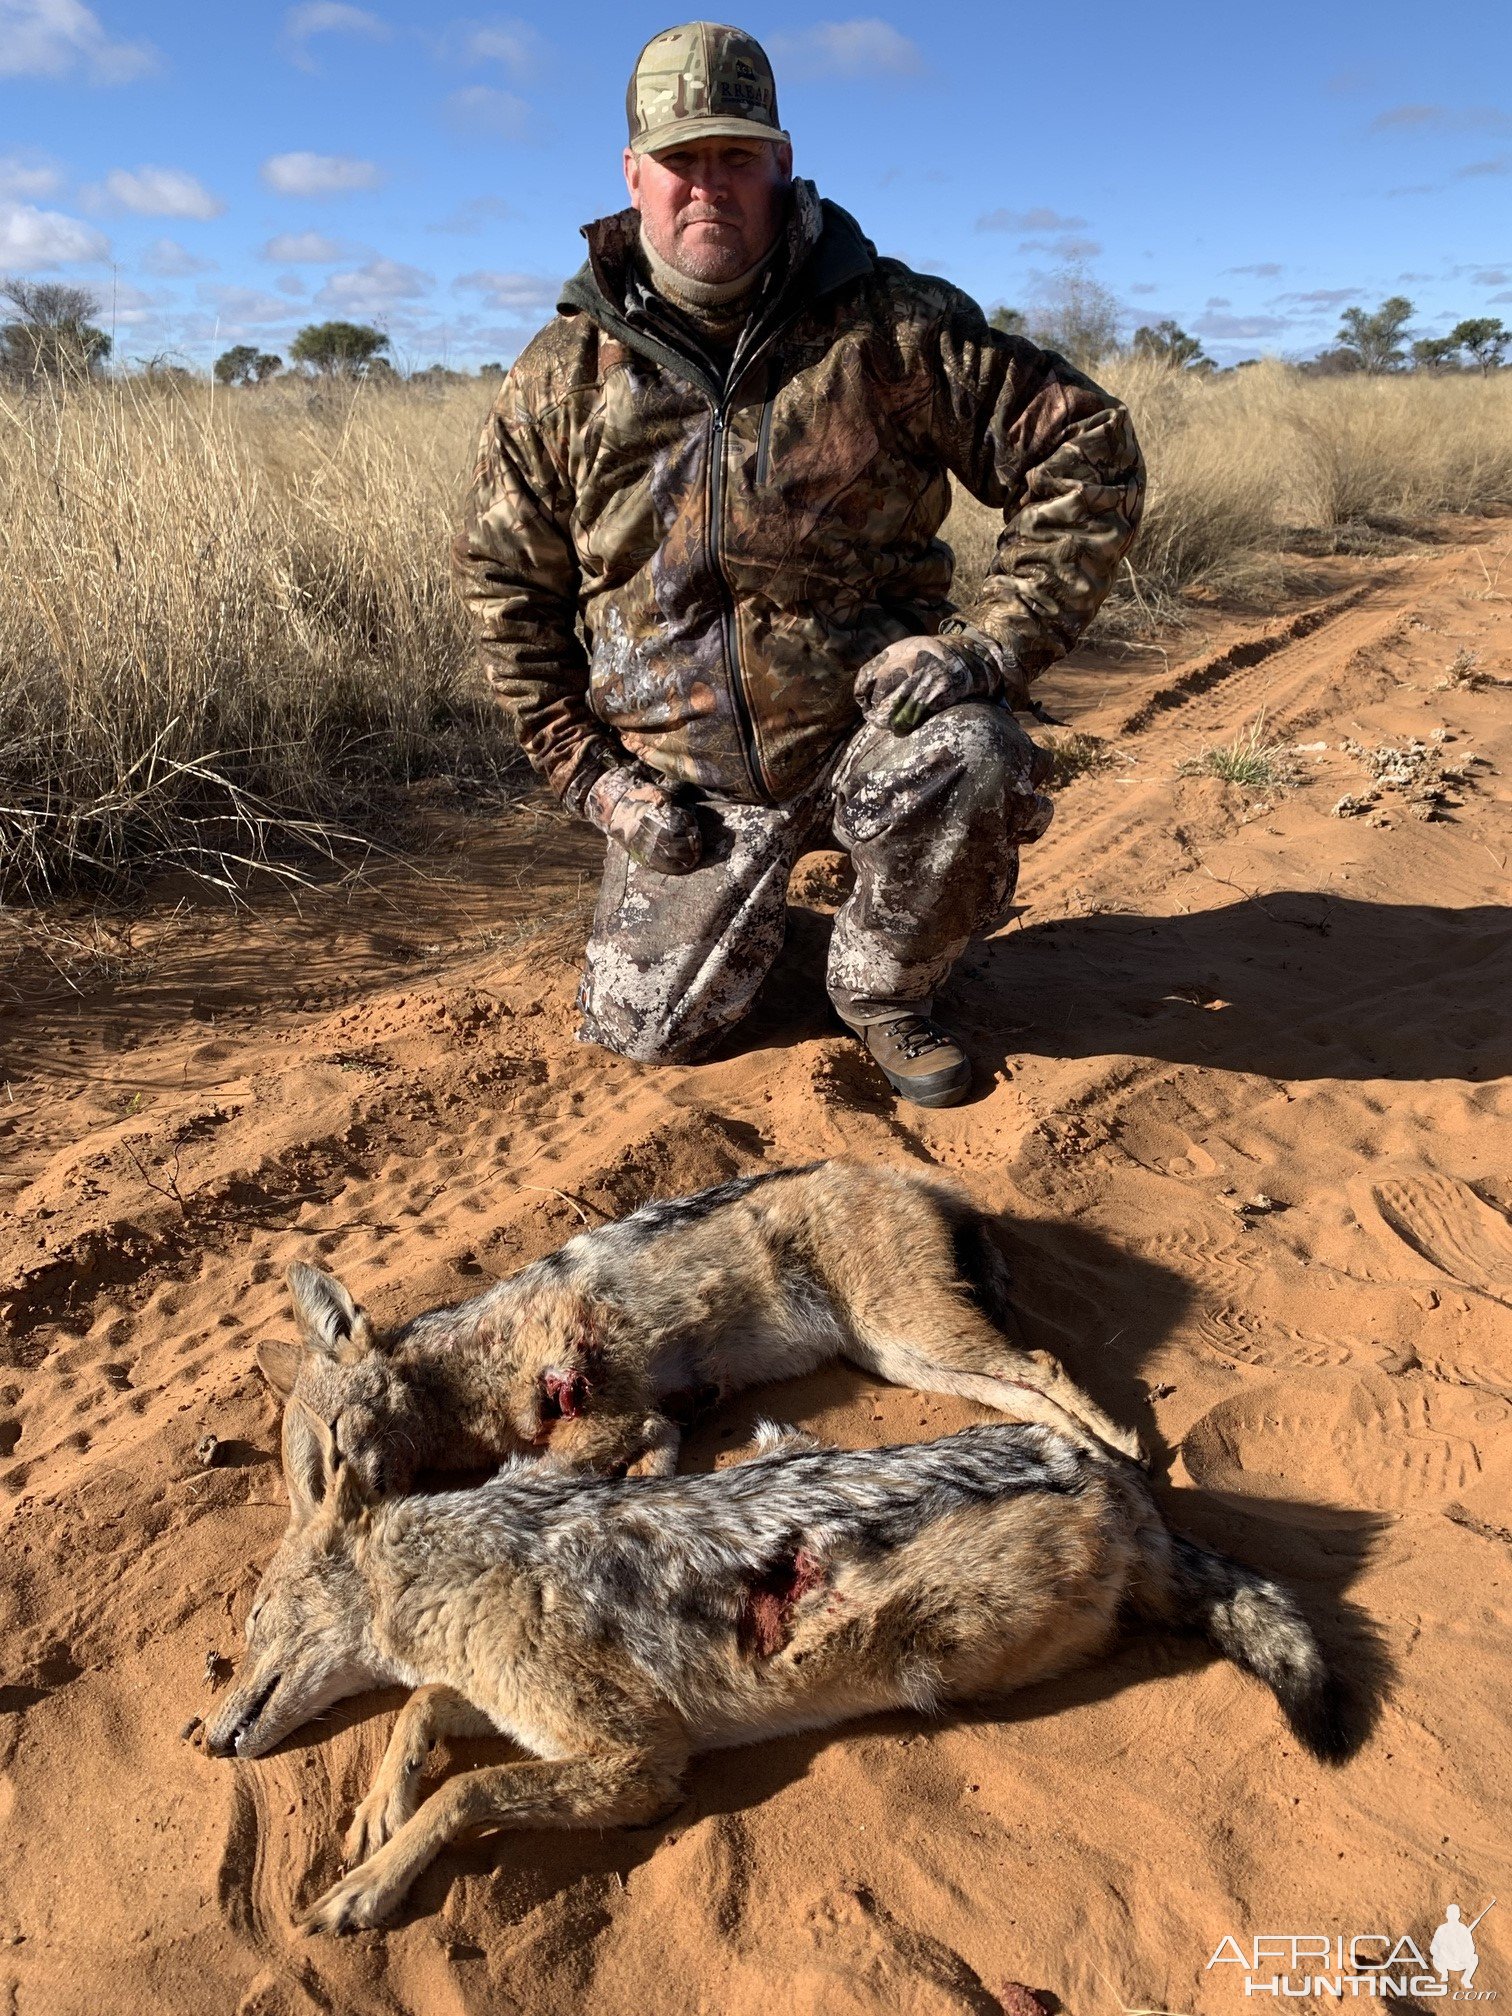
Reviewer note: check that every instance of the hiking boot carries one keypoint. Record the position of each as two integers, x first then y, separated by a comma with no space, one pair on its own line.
918,1059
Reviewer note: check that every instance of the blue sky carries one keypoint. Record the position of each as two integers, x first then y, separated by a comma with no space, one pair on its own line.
221,174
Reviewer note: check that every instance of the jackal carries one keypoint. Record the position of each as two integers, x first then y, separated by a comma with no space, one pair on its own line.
615,1626
598,1355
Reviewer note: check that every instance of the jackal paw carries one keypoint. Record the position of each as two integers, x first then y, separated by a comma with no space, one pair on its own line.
654,1463
356,1904
1126,1441
379,1818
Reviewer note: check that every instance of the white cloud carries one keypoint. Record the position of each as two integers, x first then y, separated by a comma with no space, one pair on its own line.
305,248
33,237
845,49
26,175
373,288
1318,299
240,309
474,216
304,174
1442,119
57,38
1039,219
521,295
1267,269
499,114
1144,287
1237,328
166,259
514,45
293,284
327,17
1074,251
129,308
156,192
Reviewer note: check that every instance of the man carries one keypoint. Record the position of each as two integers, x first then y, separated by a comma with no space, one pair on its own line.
727,459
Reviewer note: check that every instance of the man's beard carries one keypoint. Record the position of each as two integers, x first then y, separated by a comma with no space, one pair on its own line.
714,259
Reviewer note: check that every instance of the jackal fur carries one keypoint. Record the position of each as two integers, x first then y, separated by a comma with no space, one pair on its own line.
615,1626
596,1356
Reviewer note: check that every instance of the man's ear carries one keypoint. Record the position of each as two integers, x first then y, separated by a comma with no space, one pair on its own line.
310,1461
329,1320
279,1361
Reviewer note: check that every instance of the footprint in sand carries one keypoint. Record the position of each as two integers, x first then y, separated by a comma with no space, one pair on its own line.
1450,1226
863,1959
1341,1441
1239,1334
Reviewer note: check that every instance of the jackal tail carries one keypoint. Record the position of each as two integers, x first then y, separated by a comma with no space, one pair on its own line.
1254,1622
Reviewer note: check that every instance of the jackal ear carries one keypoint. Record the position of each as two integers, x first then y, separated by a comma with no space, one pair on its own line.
310,1460
349,1494
279,1363
329,1320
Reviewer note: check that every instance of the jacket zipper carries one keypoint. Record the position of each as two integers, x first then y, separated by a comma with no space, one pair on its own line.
764,440
743,721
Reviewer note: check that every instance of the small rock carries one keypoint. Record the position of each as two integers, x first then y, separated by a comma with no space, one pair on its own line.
217,1670
1017,2000
187,1732
1260,1206
207,1449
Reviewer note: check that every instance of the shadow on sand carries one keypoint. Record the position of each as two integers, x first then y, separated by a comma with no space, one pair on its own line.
1294,985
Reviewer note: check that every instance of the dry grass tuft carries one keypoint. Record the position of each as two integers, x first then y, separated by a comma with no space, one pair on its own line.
1074,755
1249,760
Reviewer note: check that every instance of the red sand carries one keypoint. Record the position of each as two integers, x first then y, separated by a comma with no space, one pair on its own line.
1208,998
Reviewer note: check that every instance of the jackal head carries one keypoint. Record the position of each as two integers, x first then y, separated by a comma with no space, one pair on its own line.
346,1385
309,1639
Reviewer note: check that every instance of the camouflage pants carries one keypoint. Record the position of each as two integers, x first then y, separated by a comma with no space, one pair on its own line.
932,821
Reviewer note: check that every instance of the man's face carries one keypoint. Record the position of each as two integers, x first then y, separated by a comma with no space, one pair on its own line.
711,208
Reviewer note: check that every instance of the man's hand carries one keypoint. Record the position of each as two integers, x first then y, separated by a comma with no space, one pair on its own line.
628,805
920,676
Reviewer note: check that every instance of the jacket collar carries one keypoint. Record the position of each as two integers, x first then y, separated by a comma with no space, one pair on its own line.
826,250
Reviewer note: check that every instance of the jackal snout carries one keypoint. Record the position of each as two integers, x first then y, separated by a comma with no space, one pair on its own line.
307,1639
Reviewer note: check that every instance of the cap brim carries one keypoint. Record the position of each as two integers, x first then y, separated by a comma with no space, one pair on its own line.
684,131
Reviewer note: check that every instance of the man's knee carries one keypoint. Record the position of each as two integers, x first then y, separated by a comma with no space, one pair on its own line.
644,1031
985,740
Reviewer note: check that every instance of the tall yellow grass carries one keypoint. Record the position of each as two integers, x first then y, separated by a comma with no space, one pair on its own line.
227,617
224,619
1239,465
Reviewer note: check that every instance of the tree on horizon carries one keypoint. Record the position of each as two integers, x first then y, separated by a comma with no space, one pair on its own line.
347,349
53,334
1377,341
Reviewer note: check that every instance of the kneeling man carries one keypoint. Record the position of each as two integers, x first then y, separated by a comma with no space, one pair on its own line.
701,554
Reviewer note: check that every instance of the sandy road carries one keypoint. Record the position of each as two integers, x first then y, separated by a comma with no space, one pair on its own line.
1209,996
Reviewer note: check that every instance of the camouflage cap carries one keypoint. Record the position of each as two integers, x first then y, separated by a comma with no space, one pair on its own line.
702,81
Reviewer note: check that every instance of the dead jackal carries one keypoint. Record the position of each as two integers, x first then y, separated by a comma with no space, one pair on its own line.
614,1626
596,1355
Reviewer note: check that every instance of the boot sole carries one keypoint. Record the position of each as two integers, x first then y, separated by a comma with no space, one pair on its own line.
924,1093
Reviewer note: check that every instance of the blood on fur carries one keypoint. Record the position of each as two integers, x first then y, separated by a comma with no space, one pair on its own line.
765,1623
566,1395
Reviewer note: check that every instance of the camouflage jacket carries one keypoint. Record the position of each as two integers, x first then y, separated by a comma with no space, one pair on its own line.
691,564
